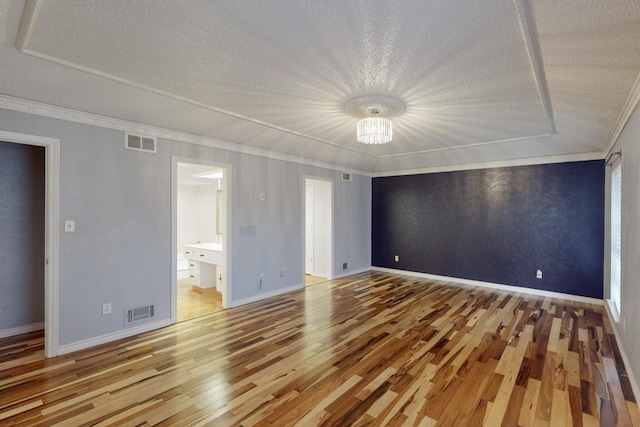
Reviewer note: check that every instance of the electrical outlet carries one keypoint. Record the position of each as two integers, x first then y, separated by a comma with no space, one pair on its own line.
283,272
344,265
261,281
396,258
106,308
538,274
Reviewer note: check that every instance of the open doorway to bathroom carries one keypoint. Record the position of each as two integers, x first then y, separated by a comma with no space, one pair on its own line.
200,238
318,231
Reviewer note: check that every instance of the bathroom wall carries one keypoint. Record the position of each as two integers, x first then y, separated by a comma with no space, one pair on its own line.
196,214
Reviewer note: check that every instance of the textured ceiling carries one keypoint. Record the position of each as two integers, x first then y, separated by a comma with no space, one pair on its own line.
482,81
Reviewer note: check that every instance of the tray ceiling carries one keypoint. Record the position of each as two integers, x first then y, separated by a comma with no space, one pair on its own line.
482,81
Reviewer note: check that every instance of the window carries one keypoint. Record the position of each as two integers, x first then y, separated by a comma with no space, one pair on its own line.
616,234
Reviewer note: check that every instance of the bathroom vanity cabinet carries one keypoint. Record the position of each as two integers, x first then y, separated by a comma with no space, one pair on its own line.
205,264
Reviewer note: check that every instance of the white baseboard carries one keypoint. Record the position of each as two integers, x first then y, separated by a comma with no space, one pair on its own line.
265,295
103,339
19,330
537,292
625,359
350,273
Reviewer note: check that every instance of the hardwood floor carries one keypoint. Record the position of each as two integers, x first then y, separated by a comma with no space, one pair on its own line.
372,349
313,280
194,302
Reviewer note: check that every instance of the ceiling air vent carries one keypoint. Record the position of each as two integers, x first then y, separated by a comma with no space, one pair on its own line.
140,143
346,176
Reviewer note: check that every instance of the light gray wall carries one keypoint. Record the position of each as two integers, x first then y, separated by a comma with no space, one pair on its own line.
121,202
630,285
21,235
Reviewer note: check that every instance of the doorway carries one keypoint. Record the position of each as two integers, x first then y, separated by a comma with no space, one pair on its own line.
51,230
200,238
318,231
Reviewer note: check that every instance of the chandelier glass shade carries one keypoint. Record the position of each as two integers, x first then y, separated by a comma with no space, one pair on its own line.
374,130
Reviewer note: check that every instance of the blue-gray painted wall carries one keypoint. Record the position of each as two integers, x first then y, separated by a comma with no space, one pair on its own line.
496,225
22,195
120,200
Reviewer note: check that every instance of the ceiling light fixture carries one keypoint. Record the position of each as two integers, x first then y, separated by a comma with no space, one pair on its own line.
374,111
374,130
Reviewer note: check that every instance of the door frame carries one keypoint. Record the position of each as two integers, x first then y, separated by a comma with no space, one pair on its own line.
226,237
329,181
52,233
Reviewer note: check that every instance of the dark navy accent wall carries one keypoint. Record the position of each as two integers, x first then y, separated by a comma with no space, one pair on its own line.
496,225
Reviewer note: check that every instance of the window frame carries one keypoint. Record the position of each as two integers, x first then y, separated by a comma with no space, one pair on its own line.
615,241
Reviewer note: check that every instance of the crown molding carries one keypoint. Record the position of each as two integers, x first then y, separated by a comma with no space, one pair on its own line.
627,110
66,114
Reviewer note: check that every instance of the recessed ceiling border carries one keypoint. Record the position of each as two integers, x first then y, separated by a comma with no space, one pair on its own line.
55,112
526,21
529,34
25,32
60,113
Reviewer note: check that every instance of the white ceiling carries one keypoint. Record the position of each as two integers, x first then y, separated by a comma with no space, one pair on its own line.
191,174
482,81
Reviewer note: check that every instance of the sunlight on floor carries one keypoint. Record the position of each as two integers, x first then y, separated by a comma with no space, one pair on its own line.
195,302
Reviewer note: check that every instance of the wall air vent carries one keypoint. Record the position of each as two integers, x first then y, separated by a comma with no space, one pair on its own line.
134,315
140,143
346,176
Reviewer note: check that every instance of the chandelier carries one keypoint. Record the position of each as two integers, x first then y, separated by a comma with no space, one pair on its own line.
374,130
374,111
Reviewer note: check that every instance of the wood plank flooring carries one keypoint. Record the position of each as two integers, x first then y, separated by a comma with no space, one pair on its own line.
195,302
373,349
313,280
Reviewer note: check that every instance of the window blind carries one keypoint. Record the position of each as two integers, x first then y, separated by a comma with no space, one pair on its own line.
616,234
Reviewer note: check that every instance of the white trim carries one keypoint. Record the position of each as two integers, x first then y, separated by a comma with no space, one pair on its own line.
348,273
27,25
60,113
565,158
530,37
19,330
330,273
113,336
614,314
627,110
261,296
461,147
625,359
531,291
52,233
